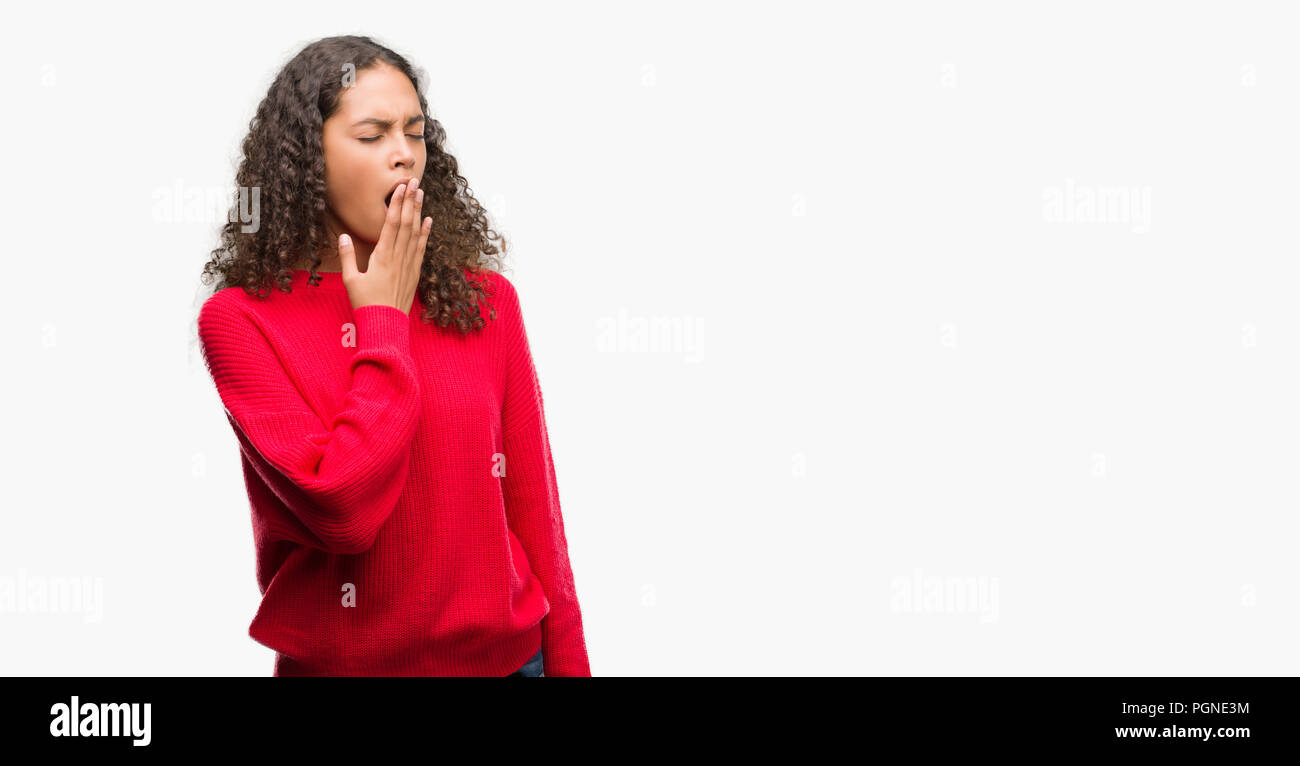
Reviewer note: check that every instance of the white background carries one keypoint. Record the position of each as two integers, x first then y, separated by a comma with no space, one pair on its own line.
910,369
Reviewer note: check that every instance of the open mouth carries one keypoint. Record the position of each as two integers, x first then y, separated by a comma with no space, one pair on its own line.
388,198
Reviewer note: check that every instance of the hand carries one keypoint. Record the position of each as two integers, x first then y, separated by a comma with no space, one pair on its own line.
393,273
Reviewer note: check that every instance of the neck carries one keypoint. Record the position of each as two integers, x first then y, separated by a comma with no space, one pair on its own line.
329,257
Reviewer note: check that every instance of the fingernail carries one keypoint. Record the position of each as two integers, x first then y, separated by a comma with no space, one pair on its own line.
344,240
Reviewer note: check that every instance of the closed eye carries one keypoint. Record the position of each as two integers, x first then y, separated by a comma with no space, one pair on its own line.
376,138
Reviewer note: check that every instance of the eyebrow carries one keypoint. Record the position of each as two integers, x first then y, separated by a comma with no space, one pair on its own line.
386,124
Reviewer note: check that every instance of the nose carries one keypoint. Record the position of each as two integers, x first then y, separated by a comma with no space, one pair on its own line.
403,157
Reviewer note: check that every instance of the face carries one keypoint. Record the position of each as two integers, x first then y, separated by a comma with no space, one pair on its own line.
374,140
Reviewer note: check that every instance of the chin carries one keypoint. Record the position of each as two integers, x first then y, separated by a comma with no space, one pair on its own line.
368,233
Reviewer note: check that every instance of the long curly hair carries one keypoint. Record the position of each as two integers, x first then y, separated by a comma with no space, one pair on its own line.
283,158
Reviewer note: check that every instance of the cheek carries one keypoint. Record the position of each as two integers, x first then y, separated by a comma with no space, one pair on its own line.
344,174
346,184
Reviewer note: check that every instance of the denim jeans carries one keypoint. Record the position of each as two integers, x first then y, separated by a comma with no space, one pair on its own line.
531,669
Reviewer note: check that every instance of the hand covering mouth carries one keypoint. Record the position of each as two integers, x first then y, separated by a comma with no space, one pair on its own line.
388,198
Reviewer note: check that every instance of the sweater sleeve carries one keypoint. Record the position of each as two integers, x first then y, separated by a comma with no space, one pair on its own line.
341,476
532,497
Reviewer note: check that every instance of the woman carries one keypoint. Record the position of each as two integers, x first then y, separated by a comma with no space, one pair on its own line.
393,441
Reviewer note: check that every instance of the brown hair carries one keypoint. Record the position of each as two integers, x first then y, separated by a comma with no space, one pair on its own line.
283,158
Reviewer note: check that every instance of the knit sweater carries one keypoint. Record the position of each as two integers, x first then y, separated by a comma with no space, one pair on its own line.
405,510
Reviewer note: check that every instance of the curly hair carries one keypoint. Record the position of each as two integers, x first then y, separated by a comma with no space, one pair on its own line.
283,158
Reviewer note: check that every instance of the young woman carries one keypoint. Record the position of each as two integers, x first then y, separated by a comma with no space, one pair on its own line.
393,441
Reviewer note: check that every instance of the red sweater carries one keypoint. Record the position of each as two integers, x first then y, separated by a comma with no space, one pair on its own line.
404,502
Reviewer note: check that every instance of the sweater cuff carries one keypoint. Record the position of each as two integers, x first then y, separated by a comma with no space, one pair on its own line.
380,325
